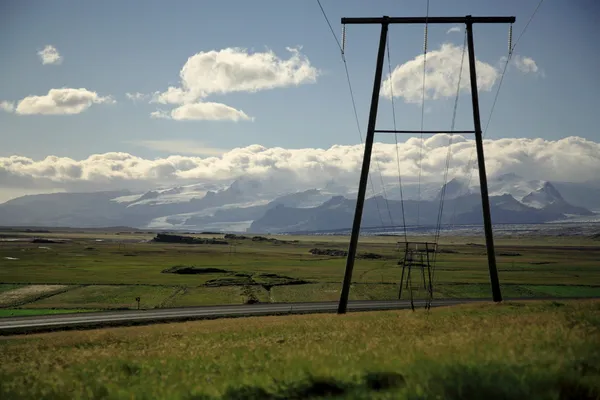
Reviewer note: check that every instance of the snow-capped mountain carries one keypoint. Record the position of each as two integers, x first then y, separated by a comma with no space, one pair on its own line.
282,206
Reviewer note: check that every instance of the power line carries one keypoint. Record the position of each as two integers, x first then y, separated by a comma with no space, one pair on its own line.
526,25
396,138
449,152
356,115
445,183
422,116
470,164
331,28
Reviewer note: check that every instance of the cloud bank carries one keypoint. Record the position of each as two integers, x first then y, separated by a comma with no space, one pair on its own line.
230,70
569,159
49,55
65,101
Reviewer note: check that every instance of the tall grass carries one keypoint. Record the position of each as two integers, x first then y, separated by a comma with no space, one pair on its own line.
537,350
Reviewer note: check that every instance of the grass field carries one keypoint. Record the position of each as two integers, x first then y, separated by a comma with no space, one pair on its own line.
525,350
40,311
108,270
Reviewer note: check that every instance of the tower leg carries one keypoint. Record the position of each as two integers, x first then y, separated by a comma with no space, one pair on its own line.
485,201
364,173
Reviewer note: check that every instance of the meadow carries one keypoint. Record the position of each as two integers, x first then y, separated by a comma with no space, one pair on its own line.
512,350
95,270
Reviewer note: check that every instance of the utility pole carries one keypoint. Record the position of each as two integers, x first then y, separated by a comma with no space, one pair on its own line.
485,200
364,173
385,21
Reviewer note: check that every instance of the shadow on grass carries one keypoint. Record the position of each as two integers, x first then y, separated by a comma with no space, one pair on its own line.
452,382
501,381
314,388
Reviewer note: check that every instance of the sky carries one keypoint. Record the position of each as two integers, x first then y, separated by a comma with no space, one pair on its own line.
113,94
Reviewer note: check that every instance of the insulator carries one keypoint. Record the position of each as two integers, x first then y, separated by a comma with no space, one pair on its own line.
510,27
343,38
425,40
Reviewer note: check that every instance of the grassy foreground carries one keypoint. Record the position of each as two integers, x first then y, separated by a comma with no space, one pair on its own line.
532,350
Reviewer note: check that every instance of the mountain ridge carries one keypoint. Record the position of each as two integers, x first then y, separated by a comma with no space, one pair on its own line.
267,206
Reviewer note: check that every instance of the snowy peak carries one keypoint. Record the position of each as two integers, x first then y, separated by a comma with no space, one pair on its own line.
334,202
514,185
169,195
543,197
453,189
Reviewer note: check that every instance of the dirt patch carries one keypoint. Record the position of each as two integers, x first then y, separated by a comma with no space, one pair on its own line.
29,293
509,254
47,241
328,252
343,253
230,281
233,236
268,280
191,270
270,240
166,238
446,251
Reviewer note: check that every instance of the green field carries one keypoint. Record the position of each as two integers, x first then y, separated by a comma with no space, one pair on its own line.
515,350
40,311
108,270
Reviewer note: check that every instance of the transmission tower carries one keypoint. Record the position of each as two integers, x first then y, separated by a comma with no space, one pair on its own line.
385,21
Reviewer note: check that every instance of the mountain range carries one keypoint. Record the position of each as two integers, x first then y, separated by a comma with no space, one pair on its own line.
263,207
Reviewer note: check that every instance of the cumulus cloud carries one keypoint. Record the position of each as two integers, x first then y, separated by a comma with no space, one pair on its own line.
568,159
454,29
7,106
209,112
49,55
441,75
237,70
525,64
65,101
231,70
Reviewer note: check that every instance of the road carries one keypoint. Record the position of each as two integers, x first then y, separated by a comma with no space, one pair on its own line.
20,325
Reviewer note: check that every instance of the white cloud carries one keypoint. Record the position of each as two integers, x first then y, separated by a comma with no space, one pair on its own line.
136,96
231,70
49,55
160,114
525,64
237,70
454,29
173,95
63,101
441,76
180,147
208,111
568,159
7,106
204,111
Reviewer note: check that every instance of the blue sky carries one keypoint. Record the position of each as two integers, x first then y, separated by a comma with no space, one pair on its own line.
117,47
114,47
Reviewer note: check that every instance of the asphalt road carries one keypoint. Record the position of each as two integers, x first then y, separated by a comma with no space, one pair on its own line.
20,325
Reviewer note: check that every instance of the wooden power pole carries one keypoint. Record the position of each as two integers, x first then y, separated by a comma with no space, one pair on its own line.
385,21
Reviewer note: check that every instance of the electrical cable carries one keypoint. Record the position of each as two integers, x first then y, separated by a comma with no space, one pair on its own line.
342,50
